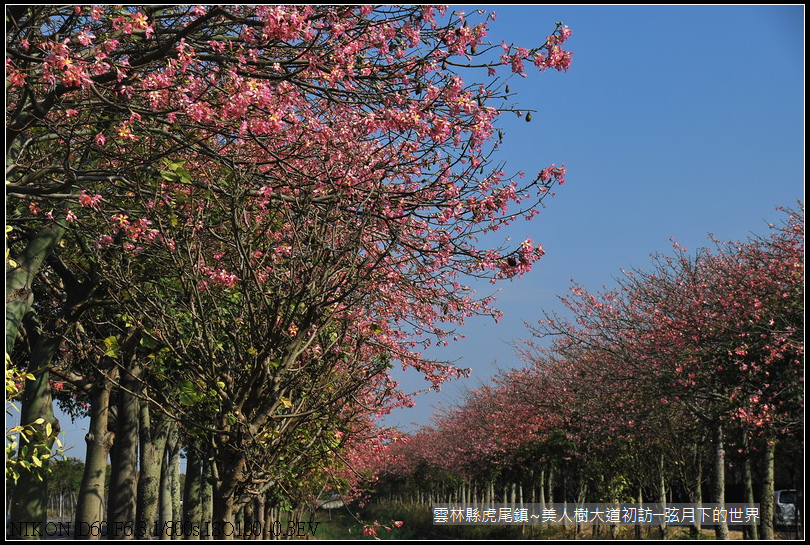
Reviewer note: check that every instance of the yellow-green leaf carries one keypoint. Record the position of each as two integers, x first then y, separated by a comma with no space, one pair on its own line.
111,348
376,329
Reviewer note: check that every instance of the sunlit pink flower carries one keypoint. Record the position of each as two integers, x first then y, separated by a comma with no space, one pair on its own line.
88,201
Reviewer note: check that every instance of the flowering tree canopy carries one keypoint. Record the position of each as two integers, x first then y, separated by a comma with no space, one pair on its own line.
282,200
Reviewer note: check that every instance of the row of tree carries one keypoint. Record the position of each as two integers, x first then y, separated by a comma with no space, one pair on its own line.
685,380
226,224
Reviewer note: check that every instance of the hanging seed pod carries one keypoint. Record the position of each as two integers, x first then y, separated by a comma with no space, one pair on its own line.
528,117
507,89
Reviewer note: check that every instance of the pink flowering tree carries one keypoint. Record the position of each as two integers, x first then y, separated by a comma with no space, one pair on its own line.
711,339
647,391
309,181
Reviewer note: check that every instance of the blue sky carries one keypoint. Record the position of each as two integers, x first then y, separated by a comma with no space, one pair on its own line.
674,121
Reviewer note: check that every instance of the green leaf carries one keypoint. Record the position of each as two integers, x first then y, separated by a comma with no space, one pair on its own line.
111,347
185,176
375,328
176,164
189,394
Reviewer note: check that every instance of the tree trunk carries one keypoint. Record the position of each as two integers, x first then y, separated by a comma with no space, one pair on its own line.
541,493
662,493
565,500
749,531
20,280
697,492
30,496
166,486
721,530
229,471
551,483
766,501
124,471
99,439
153,443
207,492
260,516
174,474
192,500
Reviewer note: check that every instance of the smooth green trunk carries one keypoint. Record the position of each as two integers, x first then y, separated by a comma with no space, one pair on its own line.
153,434
99,438
174,473
192,500
750,532
20,279
662,492
29,500
168,473
697,491
207,491
230,469
124,475
721,530
766,500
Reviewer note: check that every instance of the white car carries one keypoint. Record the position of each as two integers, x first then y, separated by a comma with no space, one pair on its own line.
784,507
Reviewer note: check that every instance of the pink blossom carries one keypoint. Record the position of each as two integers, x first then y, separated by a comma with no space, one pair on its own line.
104,241
16,78
88,201
85,37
